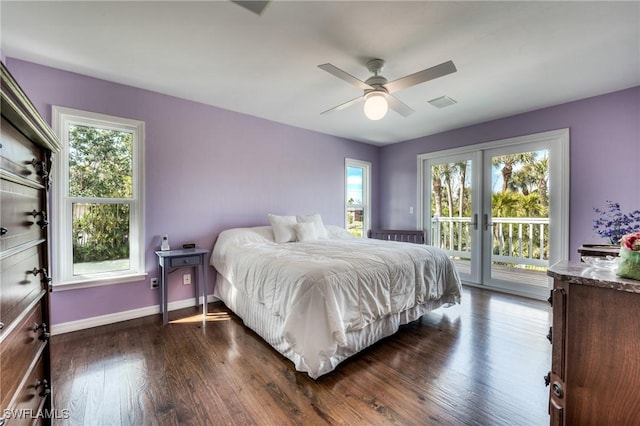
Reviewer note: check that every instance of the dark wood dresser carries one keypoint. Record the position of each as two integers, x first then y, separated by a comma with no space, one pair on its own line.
25,161
595,361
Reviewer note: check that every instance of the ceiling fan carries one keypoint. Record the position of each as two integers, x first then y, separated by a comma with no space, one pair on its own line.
254,6
377,90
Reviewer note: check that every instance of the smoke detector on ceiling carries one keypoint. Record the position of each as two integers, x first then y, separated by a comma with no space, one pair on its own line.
442,102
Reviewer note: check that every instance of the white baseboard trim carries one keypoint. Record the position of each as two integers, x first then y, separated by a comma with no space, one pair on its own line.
83,324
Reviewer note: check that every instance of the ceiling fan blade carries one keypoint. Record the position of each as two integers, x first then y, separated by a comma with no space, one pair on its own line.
421,76
345,105
398,106
332,69
254,6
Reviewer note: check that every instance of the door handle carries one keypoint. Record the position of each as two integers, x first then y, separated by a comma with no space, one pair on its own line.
485,221
475,221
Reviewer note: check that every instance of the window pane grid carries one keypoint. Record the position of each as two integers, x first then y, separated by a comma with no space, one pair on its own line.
100,237
100,162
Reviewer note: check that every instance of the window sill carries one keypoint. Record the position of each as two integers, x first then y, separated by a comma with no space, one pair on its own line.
98,282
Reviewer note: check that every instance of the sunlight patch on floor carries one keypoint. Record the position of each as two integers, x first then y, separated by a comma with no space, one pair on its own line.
211,317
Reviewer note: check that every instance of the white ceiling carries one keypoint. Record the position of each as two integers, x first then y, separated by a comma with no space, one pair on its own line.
511,57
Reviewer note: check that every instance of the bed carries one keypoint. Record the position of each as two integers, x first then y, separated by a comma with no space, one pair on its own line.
321,298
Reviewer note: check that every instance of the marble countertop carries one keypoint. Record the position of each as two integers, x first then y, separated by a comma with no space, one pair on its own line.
581,273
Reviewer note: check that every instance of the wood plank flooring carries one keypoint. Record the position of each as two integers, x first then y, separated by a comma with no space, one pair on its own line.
479,363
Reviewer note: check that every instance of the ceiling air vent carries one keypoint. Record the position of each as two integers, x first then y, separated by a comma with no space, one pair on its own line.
442,102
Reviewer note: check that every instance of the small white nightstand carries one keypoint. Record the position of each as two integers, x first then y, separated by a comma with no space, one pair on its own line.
195,258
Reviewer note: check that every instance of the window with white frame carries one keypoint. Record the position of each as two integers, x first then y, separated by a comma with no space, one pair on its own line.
98,199
357,194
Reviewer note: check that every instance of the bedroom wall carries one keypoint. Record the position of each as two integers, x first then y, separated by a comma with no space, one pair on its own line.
207,170
604,152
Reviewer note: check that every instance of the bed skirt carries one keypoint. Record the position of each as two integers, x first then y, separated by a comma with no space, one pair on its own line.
269,327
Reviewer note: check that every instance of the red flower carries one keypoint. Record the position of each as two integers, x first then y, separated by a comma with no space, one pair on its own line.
631,241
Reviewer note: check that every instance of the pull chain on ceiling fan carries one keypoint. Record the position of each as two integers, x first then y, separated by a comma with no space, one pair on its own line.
377,90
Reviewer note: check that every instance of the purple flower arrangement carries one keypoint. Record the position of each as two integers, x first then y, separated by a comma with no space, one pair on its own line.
613,224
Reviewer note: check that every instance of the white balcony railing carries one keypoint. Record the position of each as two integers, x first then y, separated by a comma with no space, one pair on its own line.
521,241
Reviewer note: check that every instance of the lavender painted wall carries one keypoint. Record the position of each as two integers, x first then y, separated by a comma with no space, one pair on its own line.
207,170
604,152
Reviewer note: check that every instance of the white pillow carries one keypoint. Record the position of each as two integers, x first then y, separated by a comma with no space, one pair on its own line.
339,233
316,219
306,231
282,226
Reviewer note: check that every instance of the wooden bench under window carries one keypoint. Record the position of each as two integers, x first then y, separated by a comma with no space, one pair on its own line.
406,236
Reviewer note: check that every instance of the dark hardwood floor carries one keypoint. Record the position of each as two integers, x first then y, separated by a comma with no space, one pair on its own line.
480,363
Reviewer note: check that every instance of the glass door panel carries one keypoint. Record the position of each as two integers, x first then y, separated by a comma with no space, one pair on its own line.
516,216
452,215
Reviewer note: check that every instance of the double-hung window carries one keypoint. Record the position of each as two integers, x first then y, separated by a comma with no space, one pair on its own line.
357,191
98,199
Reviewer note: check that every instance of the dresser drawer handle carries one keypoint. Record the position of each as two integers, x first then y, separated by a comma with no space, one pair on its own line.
41,167
557,390
46,279
3,230
46,390
43,327
43,222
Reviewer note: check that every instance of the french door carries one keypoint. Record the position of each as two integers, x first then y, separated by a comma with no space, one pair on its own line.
499,209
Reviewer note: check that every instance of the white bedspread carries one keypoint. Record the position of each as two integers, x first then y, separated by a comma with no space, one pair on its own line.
325,288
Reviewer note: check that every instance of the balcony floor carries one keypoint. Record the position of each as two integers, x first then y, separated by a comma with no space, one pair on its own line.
507,273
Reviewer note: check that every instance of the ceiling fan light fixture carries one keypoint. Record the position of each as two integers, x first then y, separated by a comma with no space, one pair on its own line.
375,105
